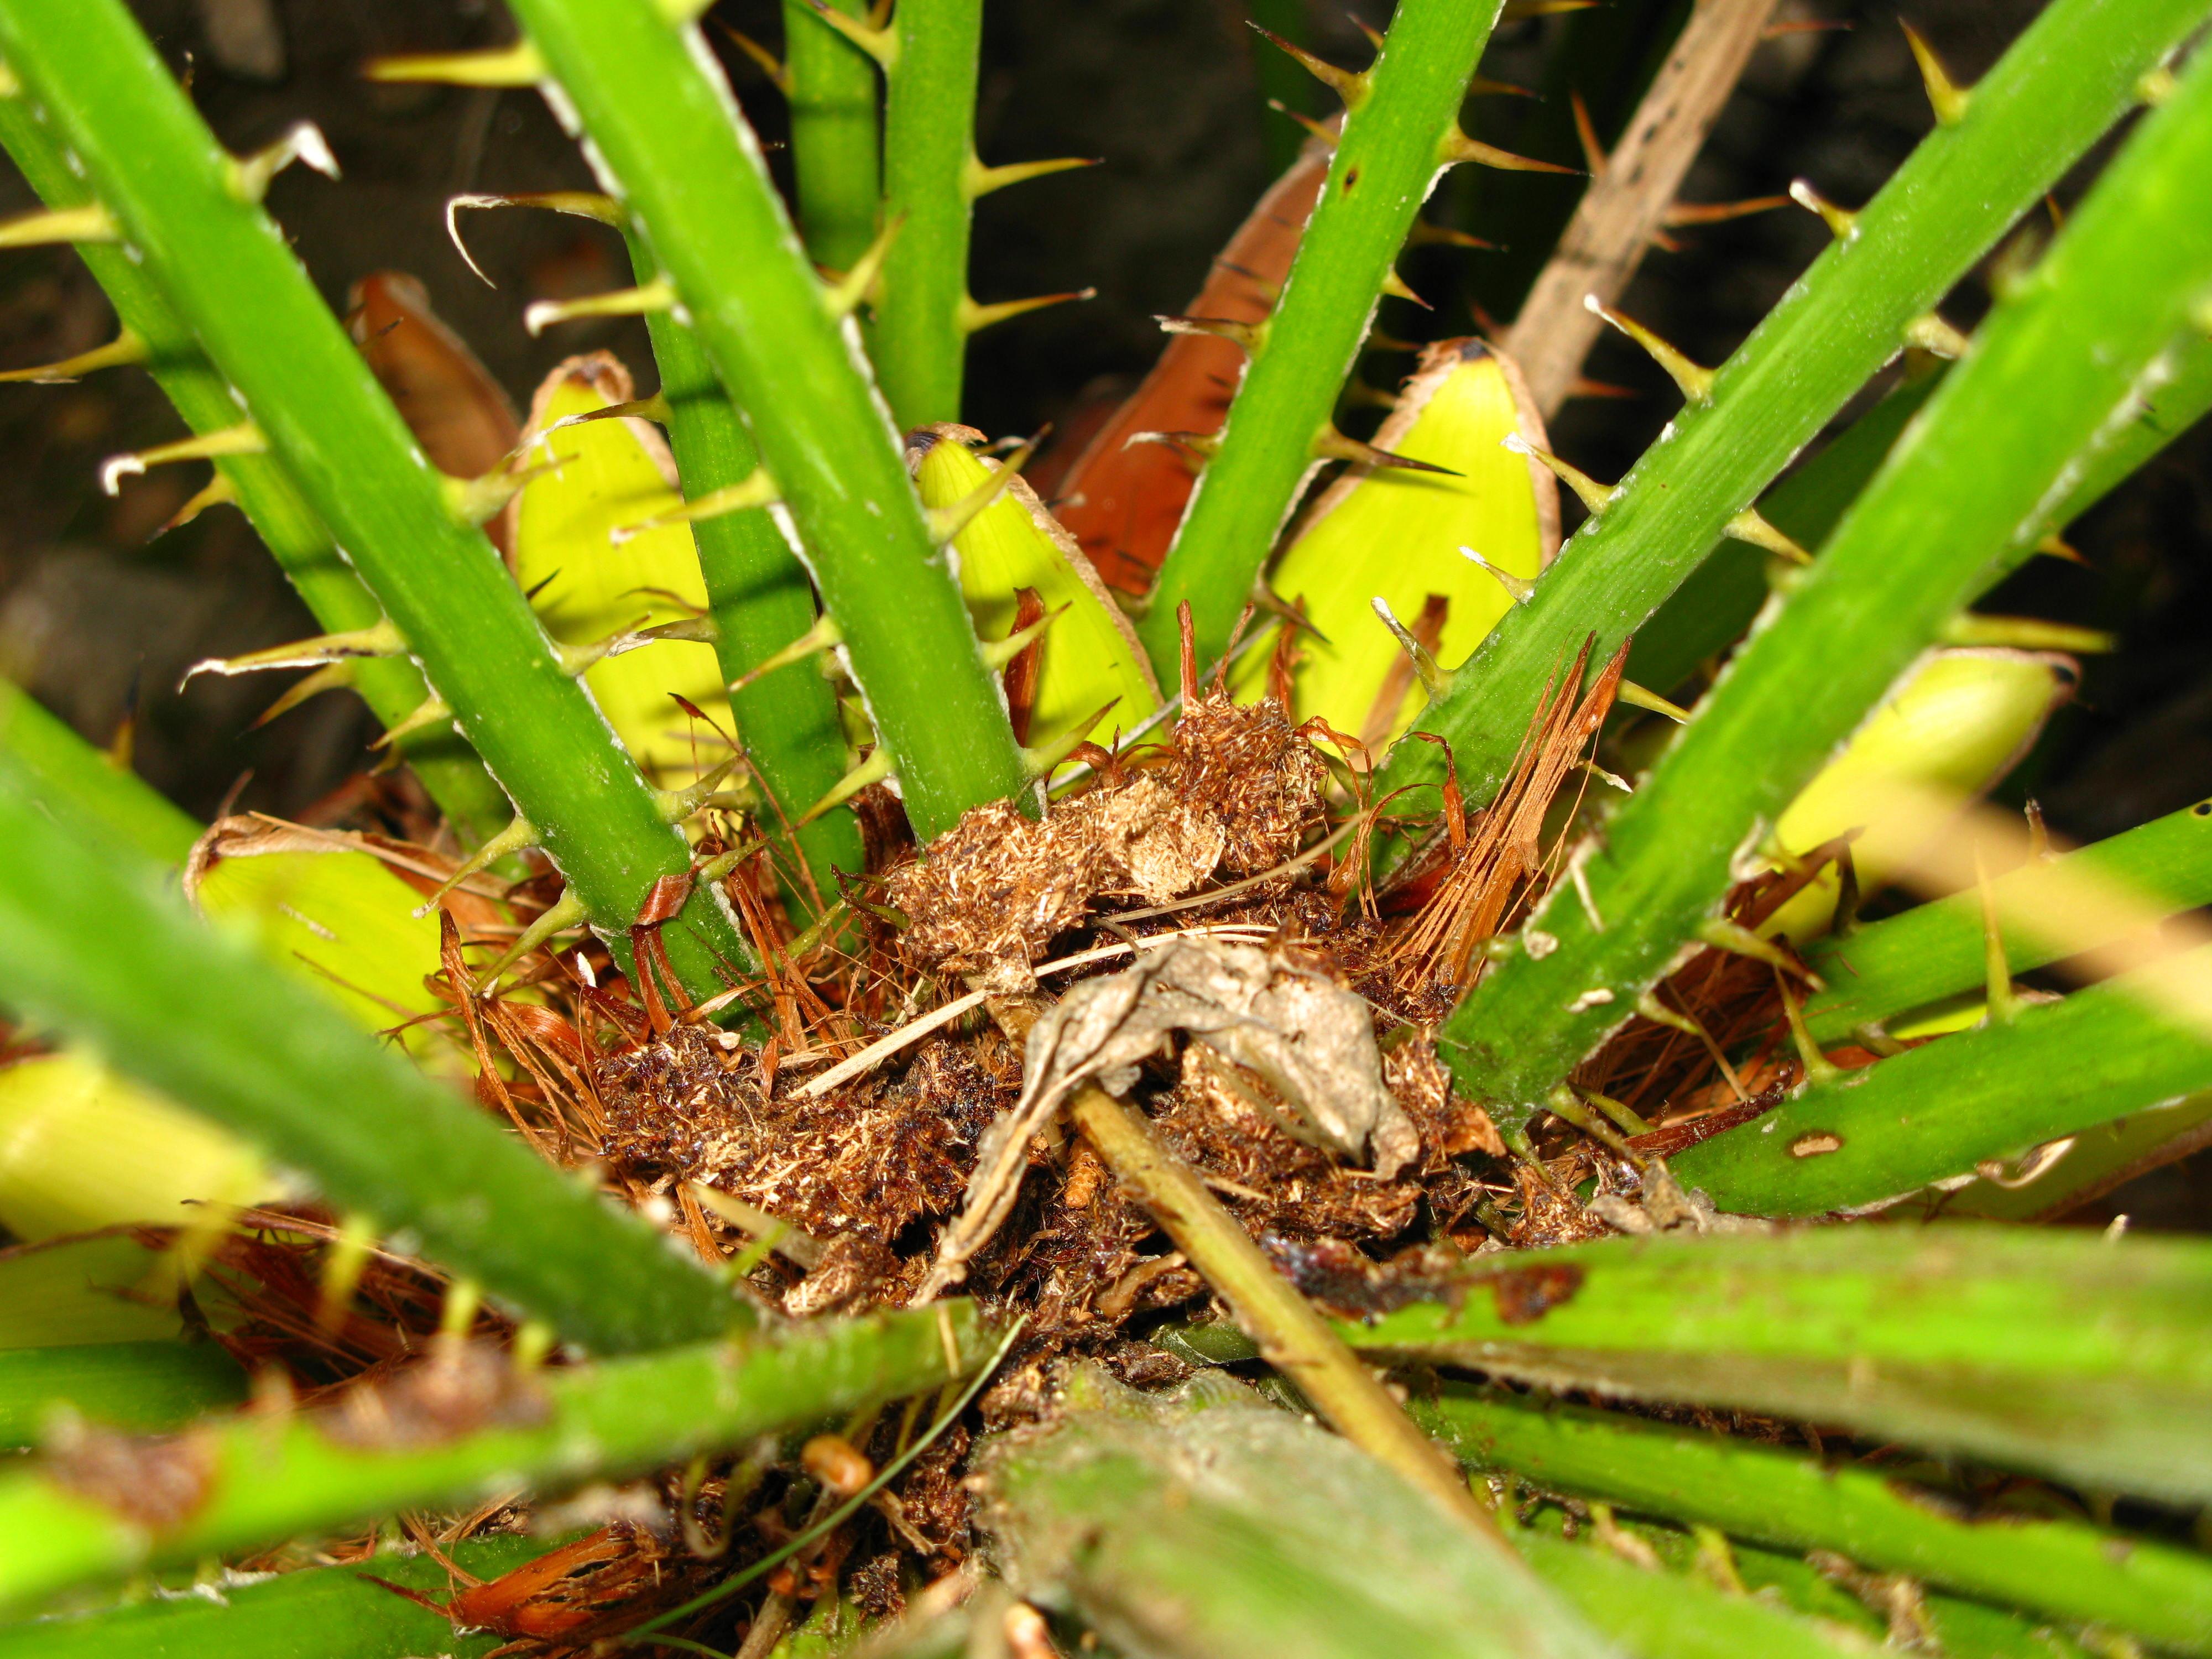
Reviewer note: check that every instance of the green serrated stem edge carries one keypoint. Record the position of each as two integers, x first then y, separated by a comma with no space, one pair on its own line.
1940,1109
268,1480
1387,159
2063,1569
673,147
64,766
919,341
96,944
2057,367
2064,83
392,687
1936,950
759,597
2060,1353
227,270
836,149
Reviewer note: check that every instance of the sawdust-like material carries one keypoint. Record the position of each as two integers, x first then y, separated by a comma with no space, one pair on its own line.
1238,792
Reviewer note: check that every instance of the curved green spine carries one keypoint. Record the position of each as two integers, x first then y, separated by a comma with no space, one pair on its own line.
1393,146
96,944
675,152
2054,368
392,687
835,147
2064,83
920,339
758,596
228,271
274,1480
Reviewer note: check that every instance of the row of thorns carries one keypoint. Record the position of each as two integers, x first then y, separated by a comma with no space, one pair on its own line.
828,1162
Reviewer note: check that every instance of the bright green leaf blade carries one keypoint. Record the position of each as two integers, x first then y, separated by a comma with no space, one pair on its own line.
92,943
265,1483
2059,1354
67,766
140,1386
2062,1569
319,1613
1938,1110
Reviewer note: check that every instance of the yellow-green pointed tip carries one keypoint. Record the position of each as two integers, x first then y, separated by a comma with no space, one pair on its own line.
978,180
973,316
844,295
518,65
659,294
1350,85
1458,148
1693,379
250,175
1593,494
778,72
1842,223
1519,589
244,438
582,203
43,228
1945,96
881,44
123,349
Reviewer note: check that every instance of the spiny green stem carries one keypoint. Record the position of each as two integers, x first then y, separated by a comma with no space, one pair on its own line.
349,1617
95,944
2060,1352
758,595
1939,1111
2062,1569
269,1479
919,341
226,269
392,687
834,148
64,767
2065,81
687,168
1393,148
127,1385
2055,368
1934,951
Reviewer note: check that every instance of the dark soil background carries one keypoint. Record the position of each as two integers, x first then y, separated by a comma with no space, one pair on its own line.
99,617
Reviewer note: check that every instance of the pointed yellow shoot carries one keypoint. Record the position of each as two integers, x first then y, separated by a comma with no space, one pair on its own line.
1843,224
1945,96
973,316
880,43
582,203
1395,285
43,228
1519,589
381,639
1040,762
997,653
1958,722
2027,634
978,181
518,65
678,805
659,294
947,522
1434,680
1251,337
124,349
1425,234
825,636
1516,11
81,1147
1395,535
1637,696
244,438
335,914
304,143
1090,656
2003,1000
1695,379
564,913
610,476
1351,86
217,491
1818,1068
778,72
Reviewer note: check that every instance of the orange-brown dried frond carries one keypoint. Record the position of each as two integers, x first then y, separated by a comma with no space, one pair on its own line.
1502,862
